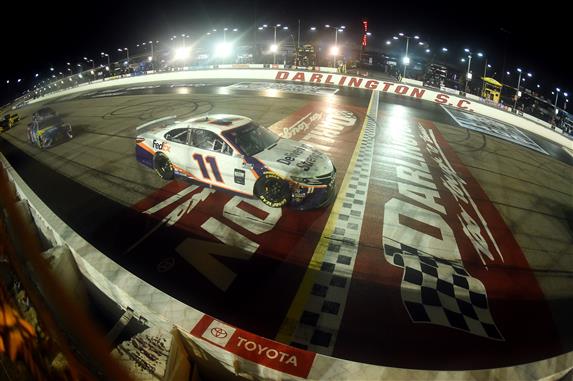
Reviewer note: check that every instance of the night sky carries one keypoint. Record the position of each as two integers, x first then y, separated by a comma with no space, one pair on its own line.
46,33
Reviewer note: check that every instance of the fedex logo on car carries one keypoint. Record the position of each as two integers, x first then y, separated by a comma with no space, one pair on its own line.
160,146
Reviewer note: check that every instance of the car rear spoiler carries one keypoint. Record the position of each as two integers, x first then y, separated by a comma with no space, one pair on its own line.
149,125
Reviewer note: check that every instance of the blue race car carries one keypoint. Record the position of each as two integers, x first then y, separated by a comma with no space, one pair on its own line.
49,131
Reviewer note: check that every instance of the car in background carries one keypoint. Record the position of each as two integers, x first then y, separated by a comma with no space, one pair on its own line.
8,121
47,130
234,153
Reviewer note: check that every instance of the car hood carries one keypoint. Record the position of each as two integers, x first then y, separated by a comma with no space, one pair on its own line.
291,158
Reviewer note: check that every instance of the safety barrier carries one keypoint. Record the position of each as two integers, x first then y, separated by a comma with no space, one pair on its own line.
405,90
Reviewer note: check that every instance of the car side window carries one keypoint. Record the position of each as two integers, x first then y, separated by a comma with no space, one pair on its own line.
220,146
178,135
209,141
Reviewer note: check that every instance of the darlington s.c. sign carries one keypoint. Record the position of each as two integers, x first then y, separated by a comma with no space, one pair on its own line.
372,84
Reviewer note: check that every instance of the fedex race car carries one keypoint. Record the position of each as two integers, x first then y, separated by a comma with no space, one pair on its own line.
234,153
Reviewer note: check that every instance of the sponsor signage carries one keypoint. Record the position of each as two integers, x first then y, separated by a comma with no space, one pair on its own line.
254,348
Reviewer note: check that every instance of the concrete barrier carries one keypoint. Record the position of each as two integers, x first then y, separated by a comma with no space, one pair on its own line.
399,89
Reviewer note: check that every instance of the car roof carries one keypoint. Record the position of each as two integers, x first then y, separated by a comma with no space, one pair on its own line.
218,122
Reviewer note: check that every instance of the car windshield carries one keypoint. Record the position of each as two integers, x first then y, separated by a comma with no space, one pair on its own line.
252,138
49,122
45,111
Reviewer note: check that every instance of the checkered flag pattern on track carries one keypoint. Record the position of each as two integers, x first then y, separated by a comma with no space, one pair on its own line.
439,292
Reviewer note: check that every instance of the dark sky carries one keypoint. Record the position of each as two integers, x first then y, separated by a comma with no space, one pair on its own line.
49,33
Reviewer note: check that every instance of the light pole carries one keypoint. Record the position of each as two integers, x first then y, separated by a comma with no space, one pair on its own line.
274,47
90,60
468,72
517,94
485,66
406,59
335,50
108,63
126,50
558,90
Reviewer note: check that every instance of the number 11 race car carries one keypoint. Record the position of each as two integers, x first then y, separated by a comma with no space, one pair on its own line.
234,153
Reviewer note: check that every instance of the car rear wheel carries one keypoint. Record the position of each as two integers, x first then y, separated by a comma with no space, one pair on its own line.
272,190
163,167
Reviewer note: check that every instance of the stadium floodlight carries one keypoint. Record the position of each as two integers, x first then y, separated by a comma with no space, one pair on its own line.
223,49
182,54
334,50
274,48
444,50
406,60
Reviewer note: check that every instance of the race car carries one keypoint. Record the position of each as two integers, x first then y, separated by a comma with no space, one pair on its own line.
48,131
233,152
8,121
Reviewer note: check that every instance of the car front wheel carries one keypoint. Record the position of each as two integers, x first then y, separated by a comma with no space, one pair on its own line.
163,167
272,190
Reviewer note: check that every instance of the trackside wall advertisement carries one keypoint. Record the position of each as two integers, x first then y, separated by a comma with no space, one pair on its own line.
254,348
372,84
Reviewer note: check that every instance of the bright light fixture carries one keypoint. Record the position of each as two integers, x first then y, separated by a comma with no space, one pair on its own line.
182,54
223,49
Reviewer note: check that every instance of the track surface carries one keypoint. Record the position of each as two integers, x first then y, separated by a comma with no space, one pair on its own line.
344,280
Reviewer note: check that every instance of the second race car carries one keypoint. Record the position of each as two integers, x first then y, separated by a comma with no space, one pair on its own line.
233,152
8,121
48,131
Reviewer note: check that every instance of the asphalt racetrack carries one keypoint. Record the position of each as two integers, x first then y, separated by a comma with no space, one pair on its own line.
447,247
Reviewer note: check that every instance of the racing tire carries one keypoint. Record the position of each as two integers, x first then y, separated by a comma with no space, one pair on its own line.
163,167
272,190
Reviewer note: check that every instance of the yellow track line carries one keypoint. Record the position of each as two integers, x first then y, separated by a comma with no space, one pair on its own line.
294,313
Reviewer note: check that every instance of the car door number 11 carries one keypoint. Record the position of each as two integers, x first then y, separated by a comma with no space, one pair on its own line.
212,162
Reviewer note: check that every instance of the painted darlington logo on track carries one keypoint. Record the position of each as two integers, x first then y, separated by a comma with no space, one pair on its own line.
419,235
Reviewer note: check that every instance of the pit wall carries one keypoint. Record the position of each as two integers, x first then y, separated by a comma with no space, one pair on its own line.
408,90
